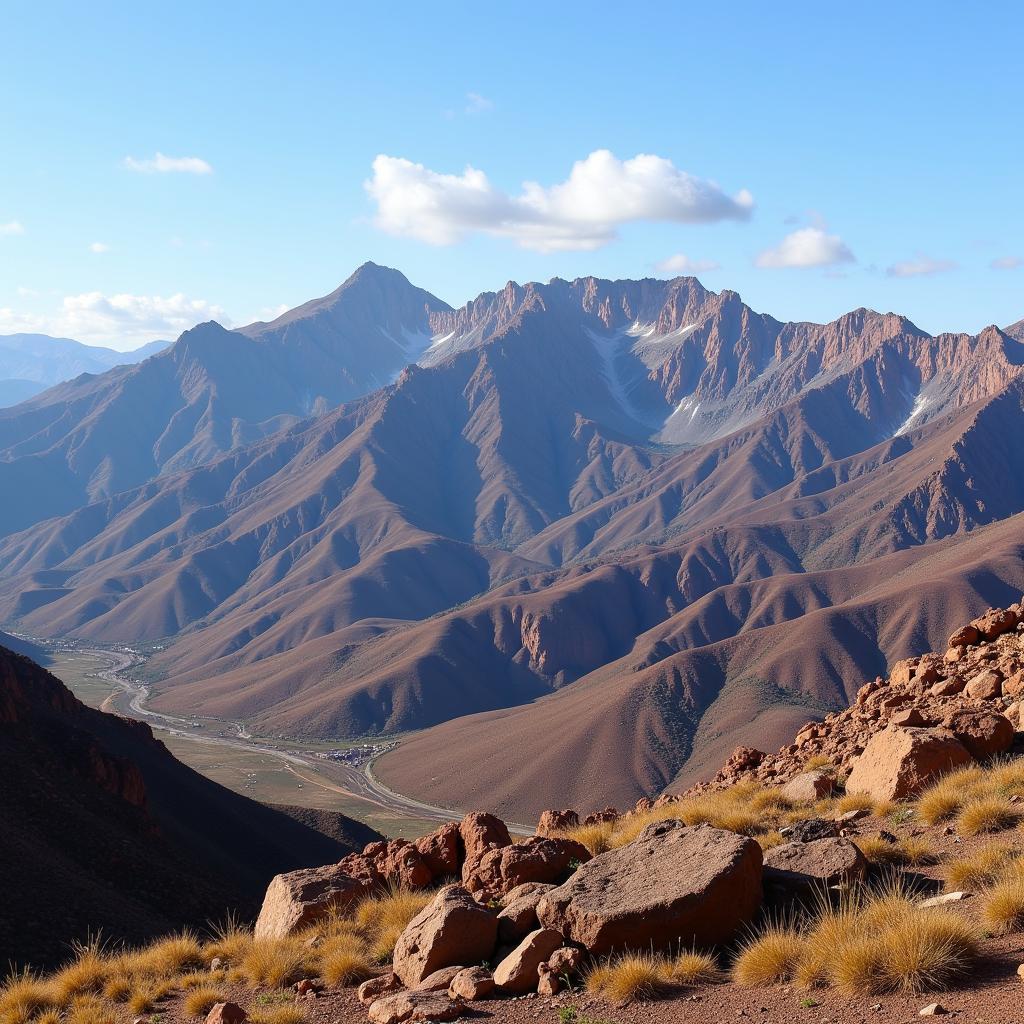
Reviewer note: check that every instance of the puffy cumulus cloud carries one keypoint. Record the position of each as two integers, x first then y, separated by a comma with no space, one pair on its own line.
99,247
120,321
160,164
807,247
920,267
1007,263
12,227
682,264
584,212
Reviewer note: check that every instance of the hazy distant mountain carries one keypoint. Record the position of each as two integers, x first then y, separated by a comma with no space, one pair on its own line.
212,391
30,363
680,522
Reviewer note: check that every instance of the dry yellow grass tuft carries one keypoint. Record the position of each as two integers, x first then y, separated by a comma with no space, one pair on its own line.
770,956
987,814
694,969
230,942
278,1015
854,802
343,960
142,1000
48,1017
22,996
275,962
980,868
630,977
383,918
118,987
85,974
200,1001
167,957
88,1009
911,851
596,838
1002,906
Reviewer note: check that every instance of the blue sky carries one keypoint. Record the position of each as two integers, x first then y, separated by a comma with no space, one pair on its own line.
814,161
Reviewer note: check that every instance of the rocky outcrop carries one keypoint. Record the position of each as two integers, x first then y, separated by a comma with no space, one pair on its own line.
673,885
899,762
452,930
296,899
538,859
415,1006
802,870
518,972
478,833
518,916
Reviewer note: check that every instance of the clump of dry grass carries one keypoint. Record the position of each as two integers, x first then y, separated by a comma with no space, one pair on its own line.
987,814
86,973
343,960
142,1000
118,987
48,1017
629,977
200,1001
166,957
956,790
854,802
24,995
693,968
278,1015
770,956
383,918
231,940
596,838
878,942
980,868
88,1009
910,851
274,963
1002,906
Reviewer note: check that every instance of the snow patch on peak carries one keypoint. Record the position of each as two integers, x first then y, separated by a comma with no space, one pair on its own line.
921,402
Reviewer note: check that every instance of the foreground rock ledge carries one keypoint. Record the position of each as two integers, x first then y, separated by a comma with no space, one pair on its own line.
673,885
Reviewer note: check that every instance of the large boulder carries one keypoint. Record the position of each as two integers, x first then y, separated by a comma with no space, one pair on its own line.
472,983
300,898
808,787
518,972
537,859
899,762
518,916
807,869
673,885
440,851
552,822
983,733
985,685
453,929
478,833
415,1006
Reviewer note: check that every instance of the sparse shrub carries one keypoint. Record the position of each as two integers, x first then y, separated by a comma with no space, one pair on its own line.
817,761
770,839
343,960
630,977
945,798
200,1001
1002,907
854,802
22,996
118,987
167,957
230,941
596,838
910,851
987,814
768,957
88,1009
86,973
278,1015
142,1000
980,868
274,962
693,968
48,1017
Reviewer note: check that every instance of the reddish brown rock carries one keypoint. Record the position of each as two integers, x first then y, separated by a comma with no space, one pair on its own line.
673,885
518,916
415,1006
599,817
298,898
226,1013
995,622
440,851
808,786
537,859
439,981
948,687
908,718
1013,685
472,983
565,961
453,929
964,637
897,763
370,991
518,972
478,833
986,685
806,869
548,983
983,733
553,822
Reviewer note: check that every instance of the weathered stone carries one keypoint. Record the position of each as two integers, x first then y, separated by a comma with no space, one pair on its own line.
908,718
552,822
453,929
810,829
944,898
808,786
472,983
565,961
897,763
673,885
986,685
518,917
983,733
478,833
537,859
964,637
807,869
226,1013
518,972
370,991
415,1006
440,851
296,899
439,981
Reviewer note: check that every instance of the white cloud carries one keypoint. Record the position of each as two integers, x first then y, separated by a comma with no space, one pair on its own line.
583,212
807,247
12,227
920,267
1007,263
161,164
477,104
682,264
120,321
99,247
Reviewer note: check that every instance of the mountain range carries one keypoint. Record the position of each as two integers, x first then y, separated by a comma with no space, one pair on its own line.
598,532
30,363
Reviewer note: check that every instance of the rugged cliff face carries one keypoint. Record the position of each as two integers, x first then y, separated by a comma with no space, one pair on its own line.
104,830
